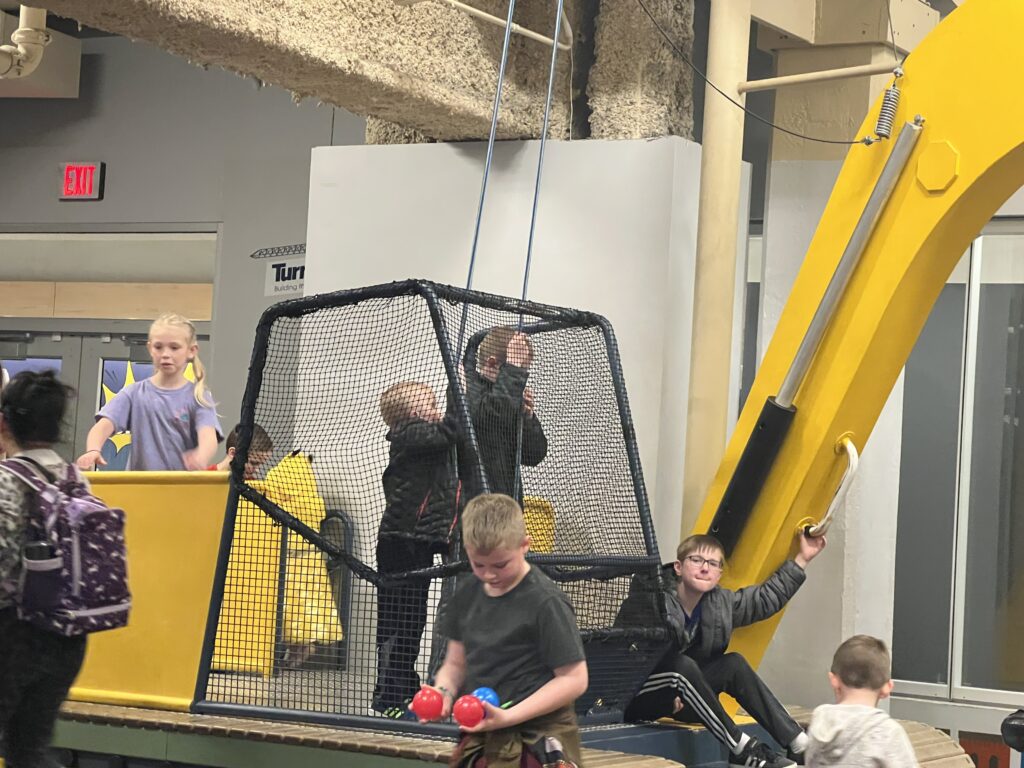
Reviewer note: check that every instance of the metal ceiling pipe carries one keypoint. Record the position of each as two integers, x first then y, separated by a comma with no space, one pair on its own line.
30,38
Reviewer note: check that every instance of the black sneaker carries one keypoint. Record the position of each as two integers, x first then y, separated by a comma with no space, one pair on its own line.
796,757
395,713
759,755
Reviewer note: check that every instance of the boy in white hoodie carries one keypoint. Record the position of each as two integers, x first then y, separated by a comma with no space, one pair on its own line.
853,731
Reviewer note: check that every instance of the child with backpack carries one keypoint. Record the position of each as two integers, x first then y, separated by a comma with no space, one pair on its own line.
51,594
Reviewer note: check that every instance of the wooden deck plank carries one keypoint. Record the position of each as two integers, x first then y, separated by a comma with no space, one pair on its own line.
934,749
434,750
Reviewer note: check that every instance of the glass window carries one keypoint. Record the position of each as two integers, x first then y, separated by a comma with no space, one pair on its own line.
751,315
993,602
39,364
928,489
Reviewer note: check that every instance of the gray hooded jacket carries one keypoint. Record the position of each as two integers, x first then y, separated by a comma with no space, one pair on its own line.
857,736
721,610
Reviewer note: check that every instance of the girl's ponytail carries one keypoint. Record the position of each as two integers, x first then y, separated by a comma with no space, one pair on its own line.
201,390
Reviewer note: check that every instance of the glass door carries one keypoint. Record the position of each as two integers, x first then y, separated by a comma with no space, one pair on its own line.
109,364
929,461
959,597
25,351
988,624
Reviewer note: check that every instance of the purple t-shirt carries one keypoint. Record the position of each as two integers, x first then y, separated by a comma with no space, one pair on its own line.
164,423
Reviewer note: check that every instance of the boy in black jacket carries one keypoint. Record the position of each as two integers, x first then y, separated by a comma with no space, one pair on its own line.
702,616
421,491
502,409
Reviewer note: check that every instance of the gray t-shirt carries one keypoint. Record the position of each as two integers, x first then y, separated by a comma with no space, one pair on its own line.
164,423
513,642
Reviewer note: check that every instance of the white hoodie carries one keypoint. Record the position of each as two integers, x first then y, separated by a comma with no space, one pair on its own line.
856,735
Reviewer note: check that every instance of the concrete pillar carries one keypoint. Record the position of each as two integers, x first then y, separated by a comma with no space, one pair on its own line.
715,284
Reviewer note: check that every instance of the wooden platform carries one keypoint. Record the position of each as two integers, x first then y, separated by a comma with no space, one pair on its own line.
367,742
934,748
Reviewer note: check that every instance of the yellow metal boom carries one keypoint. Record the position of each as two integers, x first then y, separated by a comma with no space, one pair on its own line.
962,79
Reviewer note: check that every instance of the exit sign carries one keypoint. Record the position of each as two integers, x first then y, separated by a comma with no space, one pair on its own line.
82,181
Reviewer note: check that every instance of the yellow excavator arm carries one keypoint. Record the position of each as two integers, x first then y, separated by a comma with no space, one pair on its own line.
967,158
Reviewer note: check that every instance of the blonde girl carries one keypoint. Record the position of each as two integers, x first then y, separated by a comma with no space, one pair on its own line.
172,420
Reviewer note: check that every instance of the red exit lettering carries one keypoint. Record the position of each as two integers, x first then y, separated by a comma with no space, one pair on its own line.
82,181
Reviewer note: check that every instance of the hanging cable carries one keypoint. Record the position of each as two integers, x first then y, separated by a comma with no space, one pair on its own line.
490,141
686,60
559,15
487,165
540,156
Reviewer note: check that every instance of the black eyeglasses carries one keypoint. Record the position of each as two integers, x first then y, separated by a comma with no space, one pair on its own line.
697,560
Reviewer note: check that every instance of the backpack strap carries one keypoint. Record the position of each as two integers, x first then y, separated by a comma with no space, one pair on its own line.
28,472
23,470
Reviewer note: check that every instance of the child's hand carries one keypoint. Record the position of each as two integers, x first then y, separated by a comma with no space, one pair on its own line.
446,705
528,402
494,719
810,548
518,352
89,460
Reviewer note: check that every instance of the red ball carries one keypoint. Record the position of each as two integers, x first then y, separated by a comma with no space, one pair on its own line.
427,704
468,711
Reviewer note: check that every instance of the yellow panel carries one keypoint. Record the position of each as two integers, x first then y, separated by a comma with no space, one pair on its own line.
248,614
310,614
539,514
971,157
173,531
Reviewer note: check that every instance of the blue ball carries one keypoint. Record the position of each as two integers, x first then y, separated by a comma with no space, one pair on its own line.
487,694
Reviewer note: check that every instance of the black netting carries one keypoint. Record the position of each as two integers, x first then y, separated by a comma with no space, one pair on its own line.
325,611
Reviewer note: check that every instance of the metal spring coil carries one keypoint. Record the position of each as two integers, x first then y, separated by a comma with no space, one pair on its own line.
886,115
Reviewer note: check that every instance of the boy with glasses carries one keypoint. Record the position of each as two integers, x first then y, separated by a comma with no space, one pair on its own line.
702,615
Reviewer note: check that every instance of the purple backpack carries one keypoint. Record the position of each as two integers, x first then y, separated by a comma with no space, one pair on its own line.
74,576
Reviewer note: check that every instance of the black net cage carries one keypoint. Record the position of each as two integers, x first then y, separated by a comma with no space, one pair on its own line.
370,418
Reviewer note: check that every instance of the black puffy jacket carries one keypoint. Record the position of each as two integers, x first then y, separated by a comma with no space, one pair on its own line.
421,487
497,412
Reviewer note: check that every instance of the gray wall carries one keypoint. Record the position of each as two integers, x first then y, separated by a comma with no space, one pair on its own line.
615,234
185,149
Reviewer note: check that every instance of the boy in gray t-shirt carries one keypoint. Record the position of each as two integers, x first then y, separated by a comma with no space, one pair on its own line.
513,630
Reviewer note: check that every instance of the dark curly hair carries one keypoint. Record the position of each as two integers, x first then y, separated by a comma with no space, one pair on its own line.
33,405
